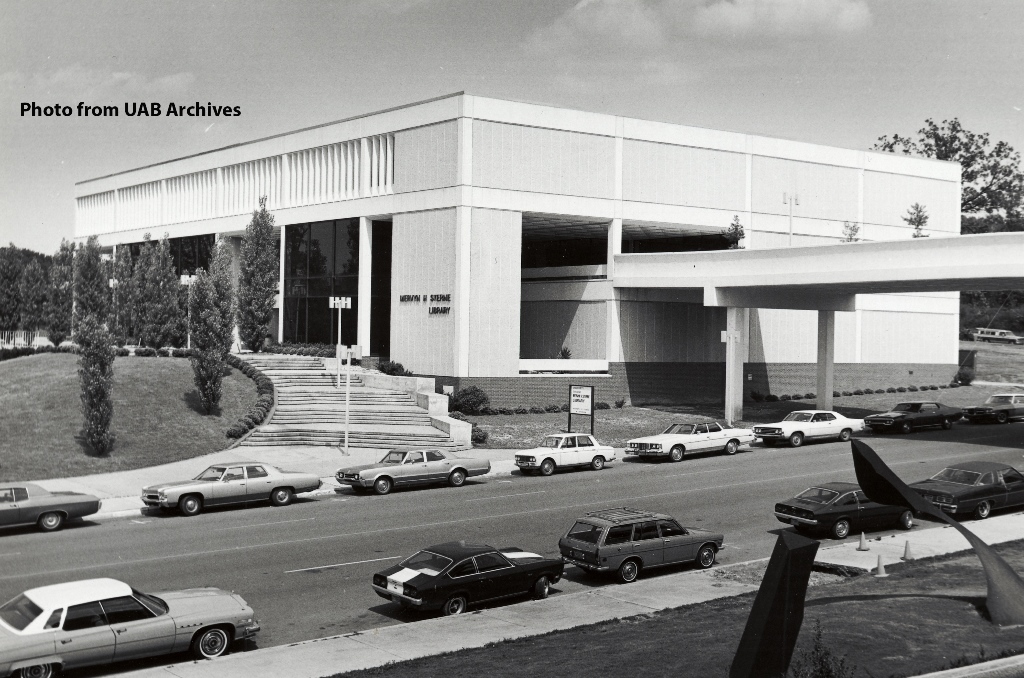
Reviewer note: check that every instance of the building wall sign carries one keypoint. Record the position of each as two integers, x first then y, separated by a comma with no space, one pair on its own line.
430,299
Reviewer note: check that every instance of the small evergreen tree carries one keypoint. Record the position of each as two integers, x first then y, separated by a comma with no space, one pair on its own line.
122,298
96,369
734,234
820,661
34,294
160,321
90,282
850,232
61,302
258,273
10,289
918,218
211,314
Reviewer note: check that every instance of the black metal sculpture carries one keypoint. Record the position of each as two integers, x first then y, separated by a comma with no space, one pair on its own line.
778,612
1005,601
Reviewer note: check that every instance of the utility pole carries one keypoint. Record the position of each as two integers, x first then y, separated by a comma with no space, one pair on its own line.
790,200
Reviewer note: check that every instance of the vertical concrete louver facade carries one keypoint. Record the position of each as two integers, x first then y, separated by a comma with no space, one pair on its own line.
479,238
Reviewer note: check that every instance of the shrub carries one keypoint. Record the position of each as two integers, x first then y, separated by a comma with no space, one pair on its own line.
163,352
536,409
522,410
564,407
943,386
602,406
783,397
796,396
933,388
488,411
506,410
553,408
771,398
394,369
145,352
757,396
901,389
237,430
809,396
121,352
469,400
836,394
858,391
912,388
181,352
458,415
891,389
820,661
478,436
620,403
847,393
954,385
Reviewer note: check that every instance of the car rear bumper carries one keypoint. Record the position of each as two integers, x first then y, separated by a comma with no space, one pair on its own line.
384,592
793,520
590,567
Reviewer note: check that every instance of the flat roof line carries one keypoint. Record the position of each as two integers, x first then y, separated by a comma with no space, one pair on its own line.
274,136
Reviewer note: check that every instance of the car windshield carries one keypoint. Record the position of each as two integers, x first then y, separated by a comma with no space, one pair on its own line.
995,400
212,473
19,612
551,441
818,495
680,429
906,407
155,605
427,563
393,458
957,475
585,532
798,416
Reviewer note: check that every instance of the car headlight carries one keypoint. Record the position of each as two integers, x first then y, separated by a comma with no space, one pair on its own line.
162,494
634,445
655,446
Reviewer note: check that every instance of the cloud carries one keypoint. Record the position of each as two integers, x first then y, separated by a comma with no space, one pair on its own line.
781,18
78,83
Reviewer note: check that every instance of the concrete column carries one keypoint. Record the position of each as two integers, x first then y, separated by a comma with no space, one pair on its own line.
280,291
734,339
613,337
614,245
826,358
365,264
460,298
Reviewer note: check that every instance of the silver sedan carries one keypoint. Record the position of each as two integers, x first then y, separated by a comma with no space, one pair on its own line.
239,482
412,467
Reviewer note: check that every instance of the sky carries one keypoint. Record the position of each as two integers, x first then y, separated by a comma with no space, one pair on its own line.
836,72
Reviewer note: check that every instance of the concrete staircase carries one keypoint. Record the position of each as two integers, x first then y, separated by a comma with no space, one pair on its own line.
311,411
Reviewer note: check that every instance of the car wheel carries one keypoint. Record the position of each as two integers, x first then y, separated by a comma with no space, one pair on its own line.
1001,418
946,424
731,447
845,435
190,505
629,571
51,521
541,588
706,556
768,443
982,510
454,605
906,520
905,427
676,453
210,643
281,496
796,440
597,463
382,485
841,529
38,671
547,467
456,478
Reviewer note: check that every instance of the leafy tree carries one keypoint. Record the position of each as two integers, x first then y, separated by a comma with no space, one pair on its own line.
160,321
90,282
122,298
991,178
850,232
10,290
734,234
96,370
918,218
258,273
991,223
211,323
35,293
62,278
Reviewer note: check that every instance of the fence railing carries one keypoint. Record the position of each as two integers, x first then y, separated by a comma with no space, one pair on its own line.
10,338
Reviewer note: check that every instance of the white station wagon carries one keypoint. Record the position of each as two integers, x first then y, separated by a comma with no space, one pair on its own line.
678,439
565,449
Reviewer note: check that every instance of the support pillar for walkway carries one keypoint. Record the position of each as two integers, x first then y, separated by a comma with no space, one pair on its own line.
280,290
364,290
733,336
826,358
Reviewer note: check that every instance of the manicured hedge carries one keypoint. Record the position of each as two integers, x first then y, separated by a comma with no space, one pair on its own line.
259,411
21,351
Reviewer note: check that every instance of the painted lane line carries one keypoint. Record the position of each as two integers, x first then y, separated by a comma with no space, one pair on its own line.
354,562
279,522
10,554
518,494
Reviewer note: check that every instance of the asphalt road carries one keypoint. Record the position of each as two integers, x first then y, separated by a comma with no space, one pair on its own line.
306,568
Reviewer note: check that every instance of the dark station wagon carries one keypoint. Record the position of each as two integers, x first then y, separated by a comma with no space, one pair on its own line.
837,508
905,417
974,487
627,540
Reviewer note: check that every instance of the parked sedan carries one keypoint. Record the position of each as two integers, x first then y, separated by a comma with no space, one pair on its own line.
240,482
915,414
561,450
974,487
808,425
99,621
28,504
1000,408
412,467
455,575
837,508
678,439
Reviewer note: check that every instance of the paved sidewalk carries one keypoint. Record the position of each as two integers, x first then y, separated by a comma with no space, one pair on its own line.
338,654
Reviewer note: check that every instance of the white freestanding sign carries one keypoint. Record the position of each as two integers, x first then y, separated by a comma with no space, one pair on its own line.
581,401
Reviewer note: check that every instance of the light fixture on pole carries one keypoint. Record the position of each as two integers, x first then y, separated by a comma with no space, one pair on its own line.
187,281
791,200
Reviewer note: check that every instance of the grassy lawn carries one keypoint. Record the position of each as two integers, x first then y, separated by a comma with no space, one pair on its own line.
157,416
614,427
997,362
926,616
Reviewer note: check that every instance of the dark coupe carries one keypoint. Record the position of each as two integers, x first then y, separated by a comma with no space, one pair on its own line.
974,487
27,504
838,507
455,575
917,414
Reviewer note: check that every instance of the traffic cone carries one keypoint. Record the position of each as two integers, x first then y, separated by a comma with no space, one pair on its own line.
906,552
880,570
863,543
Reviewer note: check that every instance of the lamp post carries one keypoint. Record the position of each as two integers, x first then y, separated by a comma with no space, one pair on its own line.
790,200
343,303
187,281
114,282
